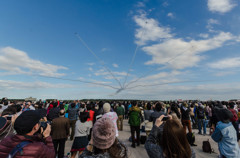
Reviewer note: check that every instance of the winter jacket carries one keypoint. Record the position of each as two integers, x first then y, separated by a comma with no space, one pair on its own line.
225,135
73,112
36,149
120,111
185,113
151,146
134,116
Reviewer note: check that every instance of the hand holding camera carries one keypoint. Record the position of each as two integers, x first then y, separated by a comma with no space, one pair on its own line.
46,132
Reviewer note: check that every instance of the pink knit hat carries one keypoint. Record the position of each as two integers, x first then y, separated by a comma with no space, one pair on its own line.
104,133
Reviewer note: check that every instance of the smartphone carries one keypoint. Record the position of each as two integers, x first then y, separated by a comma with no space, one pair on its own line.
165,118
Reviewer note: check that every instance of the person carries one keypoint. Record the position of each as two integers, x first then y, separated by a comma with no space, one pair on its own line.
168,140
111,115
201,116
134,122
234,119
186,122
157,113
104,143
60,132
42,111
72,115
82,130
225,134
147,114
54,112
99,113
120,114
26,126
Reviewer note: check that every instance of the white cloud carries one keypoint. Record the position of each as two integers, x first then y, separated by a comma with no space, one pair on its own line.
170,15
203,35
187,53
9,84
150,30
115,65
90,69
107,75
140,4
210,24
226,63
165,4
221,6
16,61
104,49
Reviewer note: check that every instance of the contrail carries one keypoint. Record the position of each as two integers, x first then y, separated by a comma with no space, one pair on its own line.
101,62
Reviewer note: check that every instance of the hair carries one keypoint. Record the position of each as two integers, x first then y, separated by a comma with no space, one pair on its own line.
55,104
61,112
89,107
117,150
149,106
231,104
83,116
18,107
100,104
9,111
158,106
174,109
134,103
174,141
73,105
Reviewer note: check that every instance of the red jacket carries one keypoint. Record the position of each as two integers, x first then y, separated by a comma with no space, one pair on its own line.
36,149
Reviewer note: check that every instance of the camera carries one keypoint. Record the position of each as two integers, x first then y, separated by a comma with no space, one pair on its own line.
43,125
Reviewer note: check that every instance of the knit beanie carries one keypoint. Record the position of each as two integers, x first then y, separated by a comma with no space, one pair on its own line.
104,133
223,114
106,107
26,121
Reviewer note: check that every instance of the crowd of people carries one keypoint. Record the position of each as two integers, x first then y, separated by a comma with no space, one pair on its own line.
41,129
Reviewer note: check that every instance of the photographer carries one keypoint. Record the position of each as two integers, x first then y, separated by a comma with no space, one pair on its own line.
168,139
26,126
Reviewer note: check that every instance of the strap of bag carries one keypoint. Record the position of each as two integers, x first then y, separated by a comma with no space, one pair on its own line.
18,148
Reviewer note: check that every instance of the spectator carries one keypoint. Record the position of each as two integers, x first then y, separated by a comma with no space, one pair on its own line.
225,134
234,119
42,111
72,115
59,133
147,114
201,116
135,121
99,113
186,122
54,112
104,143
172,142
157,113
82,130
111,115
26,126
120,113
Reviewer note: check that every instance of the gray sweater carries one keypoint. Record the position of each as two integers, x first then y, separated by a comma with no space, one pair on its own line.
82,129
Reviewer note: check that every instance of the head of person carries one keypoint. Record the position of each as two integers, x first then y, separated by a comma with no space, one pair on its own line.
104,139
185,104
27,123
100,104
55,104
89,107
62,113
149,106
224,115
106,107
134,103
73,105
83,116
174,141
158,106
231,105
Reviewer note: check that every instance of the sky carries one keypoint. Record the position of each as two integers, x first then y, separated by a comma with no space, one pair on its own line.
120,49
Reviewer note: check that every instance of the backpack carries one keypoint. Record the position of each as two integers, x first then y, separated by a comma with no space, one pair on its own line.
235,116
201,113
191,138
206,147
18,148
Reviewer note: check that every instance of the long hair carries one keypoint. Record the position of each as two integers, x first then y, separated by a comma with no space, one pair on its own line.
174,141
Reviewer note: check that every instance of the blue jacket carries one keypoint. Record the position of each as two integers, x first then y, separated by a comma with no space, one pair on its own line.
225,135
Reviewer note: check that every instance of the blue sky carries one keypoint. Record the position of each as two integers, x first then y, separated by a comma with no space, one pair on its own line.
120,49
